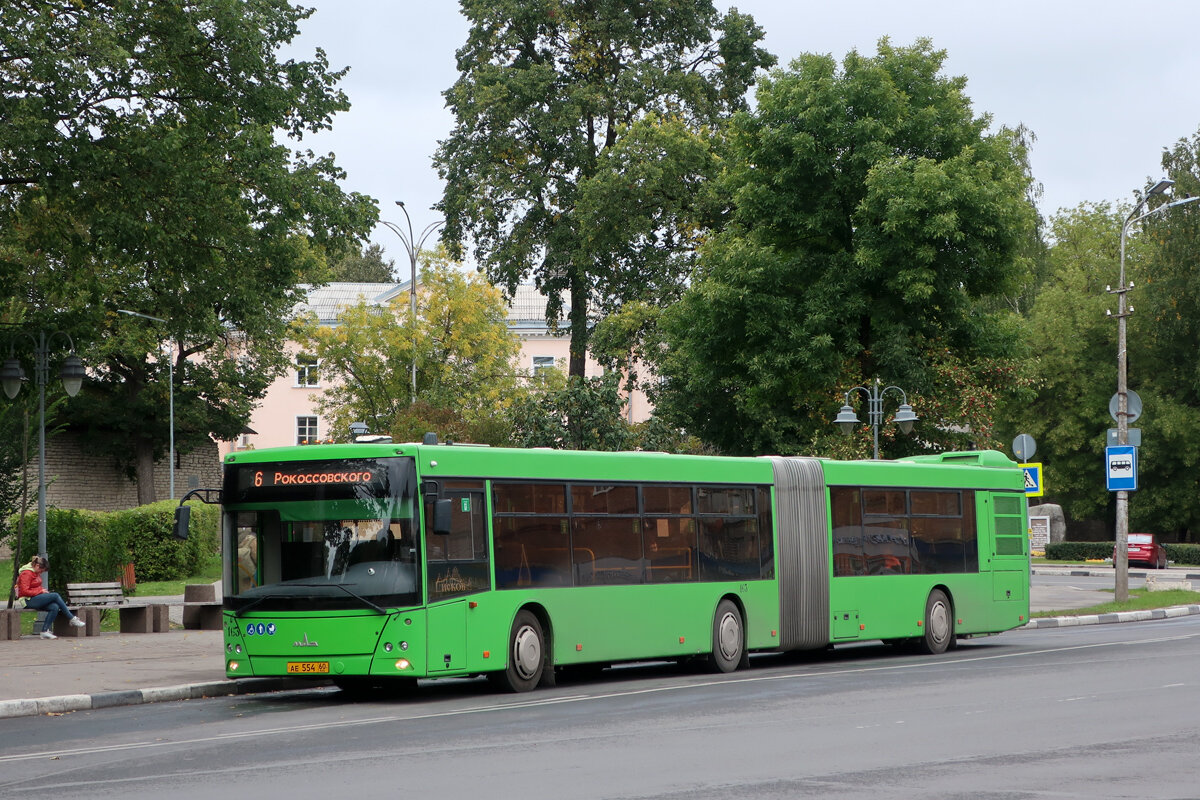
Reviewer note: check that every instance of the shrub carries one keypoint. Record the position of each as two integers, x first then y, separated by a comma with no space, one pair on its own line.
1183,553
1079,551
79,544
88,546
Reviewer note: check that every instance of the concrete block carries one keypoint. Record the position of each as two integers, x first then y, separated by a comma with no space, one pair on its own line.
160,617
199,593
64,629
10,623
1155,583
202,616
136,619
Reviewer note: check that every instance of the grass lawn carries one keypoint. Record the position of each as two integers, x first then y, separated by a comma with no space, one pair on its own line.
1139,600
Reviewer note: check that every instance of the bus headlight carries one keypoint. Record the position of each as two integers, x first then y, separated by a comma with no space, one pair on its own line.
403,664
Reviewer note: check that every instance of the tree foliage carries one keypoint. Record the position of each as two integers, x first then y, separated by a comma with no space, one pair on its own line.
1163,366
1073,344
364,266
141,168
875,221
464,356
579,151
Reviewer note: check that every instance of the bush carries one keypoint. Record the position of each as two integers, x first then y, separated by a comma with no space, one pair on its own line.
1183,553
1079,551
1082,551
88,546
79,544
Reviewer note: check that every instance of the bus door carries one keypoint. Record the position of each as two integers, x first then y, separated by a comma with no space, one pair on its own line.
457,566
1009,556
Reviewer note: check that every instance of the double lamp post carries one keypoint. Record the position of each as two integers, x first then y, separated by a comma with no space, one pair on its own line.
412,246
12,375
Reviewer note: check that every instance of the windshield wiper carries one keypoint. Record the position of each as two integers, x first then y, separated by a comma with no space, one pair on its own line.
355,595
361,599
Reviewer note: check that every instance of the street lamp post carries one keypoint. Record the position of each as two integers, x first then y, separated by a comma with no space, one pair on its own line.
412,246
71,373
847,420
170,403
1121,554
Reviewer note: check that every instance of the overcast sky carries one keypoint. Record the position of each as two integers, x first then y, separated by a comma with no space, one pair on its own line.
1105,86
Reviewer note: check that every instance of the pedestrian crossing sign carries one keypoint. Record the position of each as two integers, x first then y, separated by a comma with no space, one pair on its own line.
1033,480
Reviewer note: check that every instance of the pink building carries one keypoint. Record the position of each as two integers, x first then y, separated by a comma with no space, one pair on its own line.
288,412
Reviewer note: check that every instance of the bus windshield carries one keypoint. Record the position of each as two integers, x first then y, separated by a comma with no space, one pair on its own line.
322,536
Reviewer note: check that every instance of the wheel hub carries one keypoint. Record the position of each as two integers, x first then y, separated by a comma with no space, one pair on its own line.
527,652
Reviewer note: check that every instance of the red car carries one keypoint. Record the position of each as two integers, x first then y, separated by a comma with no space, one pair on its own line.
1145,549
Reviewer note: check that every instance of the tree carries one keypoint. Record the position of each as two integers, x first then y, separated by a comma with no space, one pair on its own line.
366,266
572,413
875,223
1071,338
1162,354
464,353
579,151
140,168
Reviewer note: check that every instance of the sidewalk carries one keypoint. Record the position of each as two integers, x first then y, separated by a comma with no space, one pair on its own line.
76,674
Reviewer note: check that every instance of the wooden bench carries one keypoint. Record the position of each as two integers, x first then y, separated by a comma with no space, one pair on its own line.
92,598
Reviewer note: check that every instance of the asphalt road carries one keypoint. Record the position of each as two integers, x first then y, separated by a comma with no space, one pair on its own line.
1090,712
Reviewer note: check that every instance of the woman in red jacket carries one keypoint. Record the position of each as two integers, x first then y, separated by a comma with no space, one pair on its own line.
29,585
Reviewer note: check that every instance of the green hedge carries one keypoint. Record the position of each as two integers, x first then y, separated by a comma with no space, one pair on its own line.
1082,551
1078,551
88,546
1183,553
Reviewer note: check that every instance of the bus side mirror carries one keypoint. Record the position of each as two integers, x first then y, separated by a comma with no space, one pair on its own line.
183,516
442,510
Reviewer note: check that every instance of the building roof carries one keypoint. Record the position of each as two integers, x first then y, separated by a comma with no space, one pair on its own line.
526,309
328,301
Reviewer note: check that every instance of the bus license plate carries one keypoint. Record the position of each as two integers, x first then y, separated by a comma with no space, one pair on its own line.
308,667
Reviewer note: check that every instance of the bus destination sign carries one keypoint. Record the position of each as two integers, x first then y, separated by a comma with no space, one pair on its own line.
298,480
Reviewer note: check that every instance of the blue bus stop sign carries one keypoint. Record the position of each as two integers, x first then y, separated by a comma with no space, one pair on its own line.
1121,465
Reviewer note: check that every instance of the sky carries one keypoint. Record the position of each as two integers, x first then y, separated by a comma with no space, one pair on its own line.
1104,86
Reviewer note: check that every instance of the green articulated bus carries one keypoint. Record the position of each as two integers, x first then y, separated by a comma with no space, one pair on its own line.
377,564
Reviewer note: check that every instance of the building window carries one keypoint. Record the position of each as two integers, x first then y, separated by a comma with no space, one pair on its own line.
306,430
542,364
307,373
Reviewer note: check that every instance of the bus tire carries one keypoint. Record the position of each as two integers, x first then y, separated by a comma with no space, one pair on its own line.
729,641
939,624
526,655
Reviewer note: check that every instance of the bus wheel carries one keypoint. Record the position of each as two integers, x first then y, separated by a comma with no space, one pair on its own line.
728,646
939,624
526,655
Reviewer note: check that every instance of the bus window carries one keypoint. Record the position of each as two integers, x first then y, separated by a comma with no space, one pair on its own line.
458,561
729,549
658,500
247,555
670,546
589,499
532,551
607,550
938,532
846,512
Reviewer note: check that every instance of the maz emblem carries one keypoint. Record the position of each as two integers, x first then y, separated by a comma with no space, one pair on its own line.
304,643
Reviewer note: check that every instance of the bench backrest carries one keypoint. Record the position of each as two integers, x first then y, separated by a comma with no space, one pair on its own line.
95,594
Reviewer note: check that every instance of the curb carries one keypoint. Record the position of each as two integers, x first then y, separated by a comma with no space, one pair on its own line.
1079,572
1106,619
132,697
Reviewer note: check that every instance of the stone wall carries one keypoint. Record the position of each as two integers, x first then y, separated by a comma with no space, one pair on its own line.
76,478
